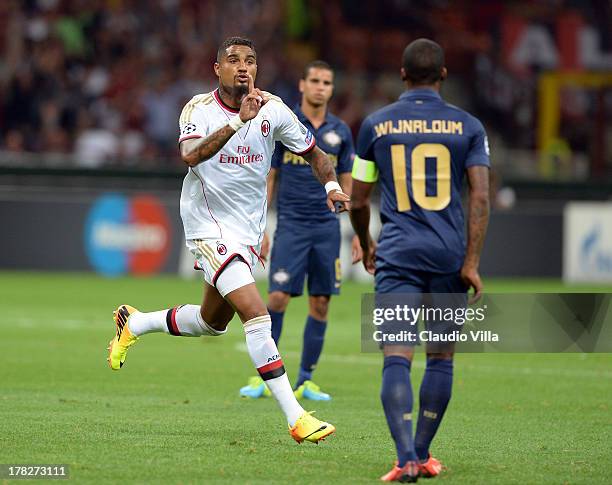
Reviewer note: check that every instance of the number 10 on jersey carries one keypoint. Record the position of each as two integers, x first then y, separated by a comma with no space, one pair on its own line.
418,177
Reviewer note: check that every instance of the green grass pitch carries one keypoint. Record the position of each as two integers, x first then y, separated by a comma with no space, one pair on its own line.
172,415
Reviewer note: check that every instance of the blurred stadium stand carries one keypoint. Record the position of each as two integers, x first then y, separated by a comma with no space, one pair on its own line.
101,83
91,90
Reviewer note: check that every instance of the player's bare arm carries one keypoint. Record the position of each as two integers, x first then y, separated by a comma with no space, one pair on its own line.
271,185
325,173
478,220
346,182
194,151
321,165
360,219
197,150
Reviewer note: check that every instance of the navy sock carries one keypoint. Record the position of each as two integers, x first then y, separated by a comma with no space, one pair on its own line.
396,397
434,396
277,324
314,336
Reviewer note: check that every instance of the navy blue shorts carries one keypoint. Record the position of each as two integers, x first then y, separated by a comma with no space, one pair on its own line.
298,252
421,288
391,279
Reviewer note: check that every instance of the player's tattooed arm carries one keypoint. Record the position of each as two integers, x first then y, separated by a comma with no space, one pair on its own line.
478,212
337,201
321,165
478,220
196,150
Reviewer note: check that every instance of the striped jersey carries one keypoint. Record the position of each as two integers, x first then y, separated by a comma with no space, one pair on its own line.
225,196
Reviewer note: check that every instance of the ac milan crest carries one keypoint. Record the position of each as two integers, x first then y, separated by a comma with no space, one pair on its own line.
221,249
265,127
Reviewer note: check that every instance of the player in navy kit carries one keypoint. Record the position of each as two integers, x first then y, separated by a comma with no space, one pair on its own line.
419,149
307,238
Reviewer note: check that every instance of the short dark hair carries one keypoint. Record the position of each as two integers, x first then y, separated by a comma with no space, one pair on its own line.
423,60
230,41
318,64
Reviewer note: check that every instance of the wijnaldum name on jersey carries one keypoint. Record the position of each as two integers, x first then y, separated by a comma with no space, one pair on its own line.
393,127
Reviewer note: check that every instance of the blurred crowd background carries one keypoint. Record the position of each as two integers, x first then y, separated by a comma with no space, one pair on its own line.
100,83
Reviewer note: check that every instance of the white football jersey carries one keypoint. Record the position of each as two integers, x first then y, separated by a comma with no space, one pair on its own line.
225,196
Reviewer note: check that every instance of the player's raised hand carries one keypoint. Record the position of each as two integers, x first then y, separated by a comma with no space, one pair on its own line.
264,97
337,201
356,251
252,102
471,278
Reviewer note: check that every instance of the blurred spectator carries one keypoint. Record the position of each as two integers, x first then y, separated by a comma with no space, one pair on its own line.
161,104
14,141
94,145
105,80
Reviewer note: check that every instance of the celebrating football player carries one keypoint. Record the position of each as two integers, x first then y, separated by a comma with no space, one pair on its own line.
227,138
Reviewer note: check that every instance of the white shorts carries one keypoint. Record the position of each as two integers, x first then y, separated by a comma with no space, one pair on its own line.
213,256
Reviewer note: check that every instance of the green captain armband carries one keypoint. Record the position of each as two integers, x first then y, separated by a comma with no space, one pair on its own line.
364,170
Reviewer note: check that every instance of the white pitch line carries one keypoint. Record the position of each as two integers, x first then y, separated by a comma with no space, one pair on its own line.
348,359
364,359
69,324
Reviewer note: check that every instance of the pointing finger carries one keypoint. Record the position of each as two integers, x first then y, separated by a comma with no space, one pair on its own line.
251,84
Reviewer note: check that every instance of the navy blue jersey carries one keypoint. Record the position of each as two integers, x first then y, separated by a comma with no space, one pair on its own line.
421,147
300,195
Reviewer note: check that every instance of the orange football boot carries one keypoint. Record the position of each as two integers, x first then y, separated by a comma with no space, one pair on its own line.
431,468
409,473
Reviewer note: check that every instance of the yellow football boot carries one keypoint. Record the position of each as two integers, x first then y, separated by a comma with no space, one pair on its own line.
123,339
309,428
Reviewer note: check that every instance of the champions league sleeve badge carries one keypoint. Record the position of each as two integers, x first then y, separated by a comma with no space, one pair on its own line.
188,129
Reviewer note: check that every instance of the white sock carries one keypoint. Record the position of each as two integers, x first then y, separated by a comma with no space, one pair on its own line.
184,320
267,360
141,322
